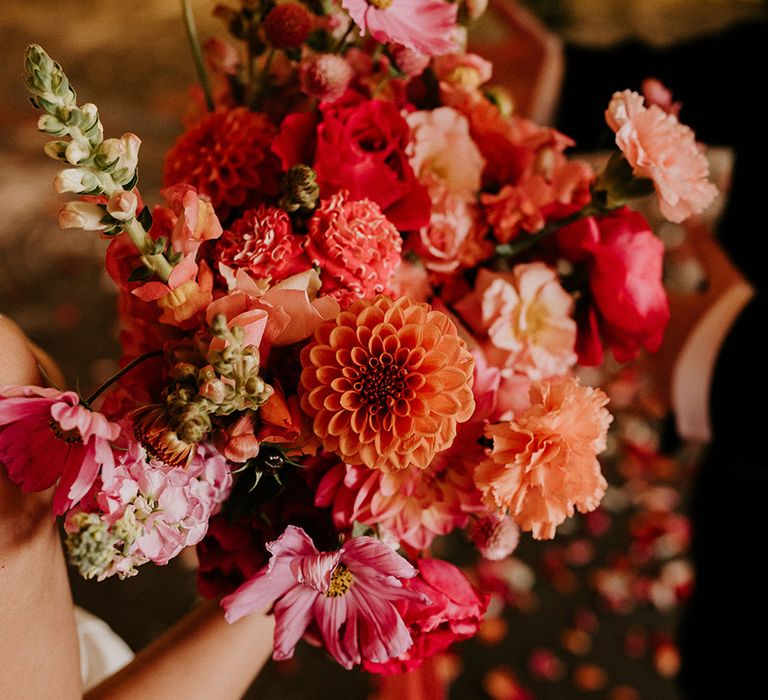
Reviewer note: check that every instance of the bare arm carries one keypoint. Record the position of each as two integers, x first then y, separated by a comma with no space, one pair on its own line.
201,657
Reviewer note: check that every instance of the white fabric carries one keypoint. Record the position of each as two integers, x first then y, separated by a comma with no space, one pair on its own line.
695,365
102,652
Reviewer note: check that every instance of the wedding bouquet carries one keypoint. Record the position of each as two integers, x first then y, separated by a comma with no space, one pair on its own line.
353,327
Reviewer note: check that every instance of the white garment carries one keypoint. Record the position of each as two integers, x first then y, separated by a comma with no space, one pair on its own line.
102,652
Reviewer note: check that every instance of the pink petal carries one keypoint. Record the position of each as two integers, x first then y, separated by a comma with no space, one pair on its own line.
256,594
331,614
383,634
293,613
367,555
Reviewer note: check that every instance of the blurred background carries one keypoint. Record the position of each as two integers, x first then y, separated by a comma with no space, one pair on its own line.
593,613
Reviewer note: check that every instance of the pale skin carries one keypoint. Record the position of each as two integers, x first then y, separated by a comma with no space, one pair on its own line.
201,657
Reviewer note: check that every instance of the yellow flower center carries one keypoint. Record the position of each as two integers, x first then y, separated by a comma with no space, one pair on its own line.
381,382
69,436
341,582
380,4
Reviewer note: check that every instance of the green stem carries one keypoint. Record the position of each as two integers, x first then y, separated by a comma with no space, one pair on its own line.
155,262
197,53
120,373
344,38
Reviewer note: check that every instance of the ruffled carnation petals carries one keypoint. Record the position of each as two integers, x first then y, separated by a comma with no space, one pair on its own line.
71,443
427,26
454,612
349,595
660,148
355,246
544,462
386,383
227,157
262,242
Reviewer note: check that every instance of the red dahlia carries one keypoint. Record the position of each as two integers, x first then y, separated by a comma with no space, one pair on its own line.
227,157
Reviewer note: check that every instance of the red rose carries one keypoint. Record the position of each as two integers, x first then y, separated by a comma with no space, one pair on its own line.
361,148
454,613
628,303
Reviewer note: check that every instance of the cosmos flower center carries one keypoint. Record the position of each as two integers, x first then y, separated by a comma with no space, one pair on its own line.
381,382
69,436
341,581
380,4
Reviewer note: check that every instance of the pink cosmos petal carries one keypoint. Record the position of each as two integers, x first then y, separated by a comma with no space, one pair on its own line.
331,614
293,613
258,593
383,635
315,571
371,558
20,462
78,471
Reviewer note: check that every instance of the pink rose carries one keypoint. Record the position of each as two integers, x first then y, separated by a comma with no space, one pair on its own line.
628,304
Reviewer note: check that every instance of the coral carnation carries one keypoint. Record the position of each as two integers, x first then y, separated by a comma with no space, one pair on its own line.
544,463
386,383
263,243
356,247
227,157
662,149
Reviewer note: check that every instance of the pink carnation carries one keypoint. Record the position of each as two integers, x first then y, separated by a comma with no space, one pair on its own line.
660,148
526,316
47,436
423,25
349,596
263,243
544,462
356,247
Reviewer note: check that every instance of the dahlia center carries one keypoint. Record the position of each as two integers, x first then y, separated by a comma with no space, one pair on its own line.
380,4
381,382
341,581
69,436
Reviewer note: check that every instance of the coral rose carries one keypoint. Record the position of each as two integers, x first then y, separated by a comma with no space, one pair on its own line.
544,462
660,148
386,383
226,156
355,246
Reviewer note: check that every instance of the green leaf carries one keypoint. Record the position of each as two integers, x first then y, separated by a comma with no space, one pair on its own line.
145,218
140,274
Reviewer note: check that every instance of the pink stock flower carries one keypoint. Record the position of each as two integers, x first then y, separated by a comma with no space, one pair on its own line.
660,148
544,462
423,25
348,594
47,436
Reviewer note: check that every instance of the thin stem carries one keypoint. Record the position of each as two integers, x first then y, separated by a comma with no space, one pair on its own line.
155,262
197,53
344,38
117,375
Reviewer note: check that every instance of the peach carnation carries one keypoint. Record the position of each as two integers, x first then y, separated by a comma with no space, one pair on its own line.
356,247
227,156
263,243
526,316
544,462
386,383
660,148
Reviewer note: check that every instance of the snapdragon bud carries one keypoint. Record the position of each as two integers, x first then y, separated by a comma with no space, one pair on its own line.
122,206
52,125
78,180
120,157
85,215
76,152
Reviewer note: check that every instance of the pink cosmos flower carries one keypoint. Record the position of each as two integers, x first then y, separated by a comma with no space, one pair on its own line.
47,435
423,25
349,594
660,148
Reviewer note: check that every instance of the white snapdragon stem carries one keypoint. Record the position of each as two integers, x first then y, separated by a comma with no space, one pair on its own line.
102,167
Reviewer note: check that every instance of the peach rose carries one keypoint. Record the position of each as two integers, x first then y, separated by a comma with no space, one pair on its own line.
526,316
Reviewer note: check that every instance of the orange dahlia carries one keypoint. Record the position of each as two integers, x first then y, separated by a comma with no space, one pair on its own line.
227,156
386,382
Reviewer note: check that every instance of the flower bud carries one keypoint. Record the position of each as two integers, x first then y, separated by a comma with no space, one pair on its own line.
300,189
287,25
409,61
78,180
76,152
84,215
56,149
120,157
52,125
325,77
503,100
122,206
495,536
475,9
